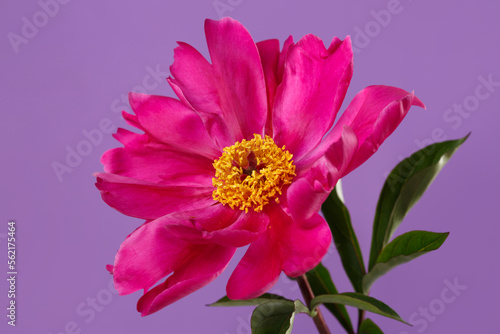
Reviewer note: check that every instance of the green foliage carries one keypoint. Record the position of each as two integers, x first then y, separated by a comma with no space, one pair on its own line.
404,187
339,220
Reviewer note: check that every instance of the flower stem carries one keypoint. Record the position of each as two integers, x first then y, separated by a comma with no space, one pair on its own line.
308,294
361,317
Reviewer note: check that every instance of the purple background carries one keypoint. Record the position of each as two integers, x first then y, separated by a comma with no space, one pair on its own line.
69,76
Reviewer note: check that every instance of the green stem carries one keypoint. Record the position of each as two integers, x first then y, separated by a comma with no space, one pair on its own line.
361,317
308,294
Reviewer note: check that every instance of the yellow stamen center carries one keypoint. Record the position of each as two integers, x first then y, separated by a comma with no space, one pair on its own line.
250,173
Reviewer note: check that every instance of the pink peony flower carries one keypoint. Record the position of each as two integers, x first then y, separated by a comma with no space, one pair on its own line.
244,156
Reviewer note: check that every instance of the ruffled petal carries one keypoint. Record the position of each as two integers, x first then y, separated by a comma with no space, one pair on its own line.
201,266
173,123
174,84
246,229
149,200
338,151
269,52
305,198
237,66
195,84
258,270
157,164
225,226
282,59
307,243
146,256
313,88
314,182
195,78
289,245
129,138
373,115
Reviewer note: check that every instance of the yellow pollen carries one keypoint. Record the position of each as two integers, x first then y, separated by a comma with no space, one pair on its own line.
250,173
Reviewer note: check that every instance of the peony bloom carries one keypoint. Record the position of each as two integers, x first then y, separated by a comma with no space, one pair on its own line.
244,156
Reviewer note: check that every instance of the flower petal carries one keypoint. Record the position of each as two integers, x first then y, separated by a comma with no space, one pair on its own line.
289,245
147,255
129,138
313,183
373,115
195,83
246,229
200,267
305,199
149,200
241,85
282,58
313,88
269,52
307,243
257,271
338,153
173,123
226,226
195,78
159,165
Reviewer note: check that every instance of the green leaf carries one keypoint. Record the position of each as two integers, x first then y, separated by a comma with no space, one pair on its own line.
404,187
301,308
403,249
369,327
274,317
321,284
225,301
338,219
359,301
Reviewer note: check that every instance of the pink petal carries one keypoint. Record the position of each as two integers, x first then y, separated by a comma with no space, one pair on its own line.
373,115
196,84
338,151
158,164
132,120
195,78
148,200
241,85
282,59
307,243
225,226
289,245
246,229
258,270
173,123
200,267
313,88
313,183
174,84
131,139
269,51
341,152
305,197
146,256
